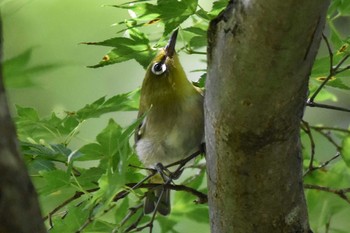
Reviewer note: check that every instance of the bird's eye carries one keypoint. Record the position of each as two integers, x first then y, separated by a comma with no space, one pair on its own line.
158,68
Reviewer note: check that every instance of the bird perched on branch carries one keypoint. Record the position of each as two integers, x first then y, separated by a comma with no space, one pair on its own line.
173,127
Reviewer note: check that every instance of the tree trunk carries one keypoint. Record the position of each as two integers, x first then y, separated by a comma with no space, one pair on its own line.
19,208
260,56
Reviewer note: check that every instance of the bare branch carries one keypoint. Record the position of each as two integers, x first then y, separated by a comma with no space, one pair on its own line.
330,129
329,138
332,72
324,164
312,104
66,202
339,192
307,130
329,51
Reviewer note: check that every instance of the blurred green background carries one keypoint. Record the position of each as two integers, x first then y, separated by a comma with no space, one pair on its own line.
54,29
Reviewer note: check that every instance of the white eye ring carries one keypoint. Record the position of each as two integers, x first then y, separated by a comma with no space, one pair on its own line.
158,68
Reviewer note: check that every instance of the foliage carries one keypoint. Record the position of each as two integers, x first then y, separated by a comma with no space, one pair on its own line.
93,188
18,74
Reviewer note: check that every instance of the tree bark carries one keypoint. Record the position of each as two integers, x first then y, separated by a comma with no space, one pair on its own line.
260,55
19,208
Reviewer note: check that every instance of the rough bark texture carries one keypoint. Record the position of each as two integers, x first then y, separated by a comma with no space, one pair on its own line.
260,55
19,208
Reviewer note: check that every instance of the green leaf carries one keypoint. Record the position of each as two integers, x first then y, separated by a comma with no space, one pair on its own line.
321,67
55,181
335,36
29,114
338,83
199,30
108,138
170,12
174,12
100,226
218,6
17,72
36,165
201,81
198,213
323,95
344,8
333,8
115,146
333,82
122,102
75,217
54,152
89,178
203,14
323,205
167,224
137,47
29,125
88,152
198,42
346,150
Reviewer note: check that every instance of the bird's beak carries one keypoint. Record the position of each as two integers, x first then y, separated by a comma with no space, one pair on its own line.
170,47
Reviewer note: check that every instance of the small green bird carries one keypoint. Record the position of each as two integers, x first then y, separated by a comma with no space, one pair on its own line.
173,127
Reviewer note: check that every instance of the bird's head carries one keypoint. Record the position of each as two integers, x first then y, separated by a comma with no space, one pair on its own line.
165,78
165,61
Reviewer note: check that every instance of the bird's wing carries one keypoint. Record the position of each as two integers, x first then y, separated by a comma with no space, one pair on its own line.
141,127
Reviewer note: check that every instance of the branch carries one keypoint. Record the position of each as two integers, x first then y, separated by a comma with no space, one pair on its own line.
330,129
202,198
339,192
312,104
337,155
333,71
66,202
329,138
307,130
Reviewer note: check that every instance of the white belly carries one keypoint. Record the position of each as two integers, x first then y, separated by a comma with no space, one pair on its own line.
171,141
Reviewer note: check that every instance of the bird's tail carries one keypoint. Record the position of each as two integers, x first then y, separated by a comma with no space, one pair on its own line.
153,197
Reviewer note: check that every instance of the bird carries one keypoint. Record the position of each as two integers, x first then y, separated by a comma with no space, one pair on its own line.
173,120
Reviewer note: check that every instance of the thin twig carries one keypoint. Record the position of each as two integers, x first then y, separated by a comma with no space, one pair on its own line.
134,186
168,179
330,128
312,104
66,202
135,224
132,212
185,160
329,138
307,130
202,198
329,51
88,221
342,70
339,192
324,164
337,155
340,63
332,72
